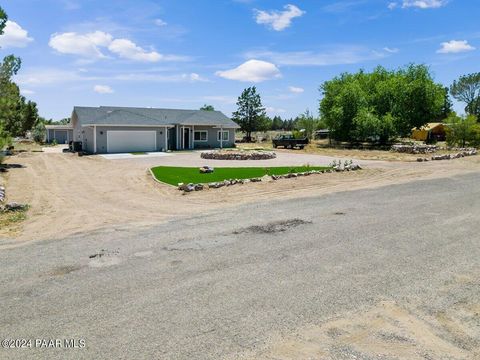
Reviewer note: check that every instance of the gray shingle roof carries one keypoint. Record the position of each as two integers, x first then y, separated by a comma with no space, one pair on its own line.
114,115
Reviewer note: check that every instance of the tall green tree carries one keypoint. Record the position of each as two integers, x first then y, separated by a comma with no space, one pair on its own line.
447,108
277,123
14,115
17,115
3,20
467,90
250,114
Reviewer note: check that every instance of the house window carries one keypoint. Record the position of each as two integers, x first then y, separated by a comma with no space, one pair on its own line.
225,135
200,135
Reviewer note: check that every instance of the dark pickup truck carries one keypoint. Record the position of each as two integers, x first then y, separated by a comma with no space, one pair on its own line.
289,141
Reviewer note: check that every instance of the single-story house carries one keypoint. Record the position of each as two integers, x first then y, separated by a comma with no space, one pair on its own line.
430,131
62,134
112,129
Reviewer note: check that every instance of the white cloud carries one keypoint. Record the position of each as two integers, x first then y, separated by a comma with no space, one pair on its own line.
193,77
392,5
27,92
391,50
252,71
44,77
91,46
337,56
129,50
14,36
87,45
103,89
296,90
160,22
221,98
454,47
424,4
71,5
278,20
273,110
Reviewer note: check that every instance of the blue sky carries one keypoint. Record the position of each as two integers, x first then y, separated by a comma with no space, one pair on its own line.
183,54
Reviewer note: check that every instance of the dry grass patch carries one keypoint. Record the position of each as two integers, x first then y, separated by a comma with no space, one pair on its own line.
11,221
320,147
27,146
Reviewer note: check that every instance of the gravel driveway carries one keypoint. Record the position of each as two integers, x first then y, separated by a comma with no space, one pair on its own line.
70,194
284,158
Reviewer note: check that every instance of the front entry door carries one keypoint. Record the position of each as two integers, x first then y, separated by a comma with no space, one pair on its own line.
172,138
186,138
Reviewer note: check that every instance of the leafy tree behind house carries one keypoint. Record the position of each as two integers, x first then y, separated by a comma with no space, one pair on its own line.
250,115
467,90
307,123
63,121
380,105
207,108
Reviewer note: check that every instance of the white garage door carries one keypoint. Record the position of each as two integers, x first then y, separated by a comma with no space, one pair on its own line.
131,141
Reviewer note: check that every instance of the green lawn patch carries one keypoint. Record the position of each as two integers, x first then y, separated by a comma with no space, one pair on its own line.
174,175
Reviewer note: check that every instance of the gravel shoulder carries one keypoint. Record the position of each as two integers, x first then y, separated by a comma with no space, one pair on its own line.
70,194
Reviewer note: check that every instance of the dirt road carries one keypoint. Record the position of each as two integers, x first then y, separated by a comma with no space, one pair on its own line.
70,194
374,274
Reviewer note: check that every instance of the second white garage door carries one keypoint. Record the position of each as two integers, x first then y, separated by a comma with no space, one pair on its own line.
131,141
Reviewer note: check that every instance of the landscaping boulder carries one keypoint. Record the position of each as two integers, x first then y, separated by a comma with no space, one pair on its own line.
461,154
206,169
13,206
2,193
186,187
414,148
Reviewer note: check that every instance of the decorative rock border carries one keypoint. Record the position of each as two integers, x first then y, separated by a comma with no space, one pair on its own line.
238,155
414,149
215,185
2,193
464,153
